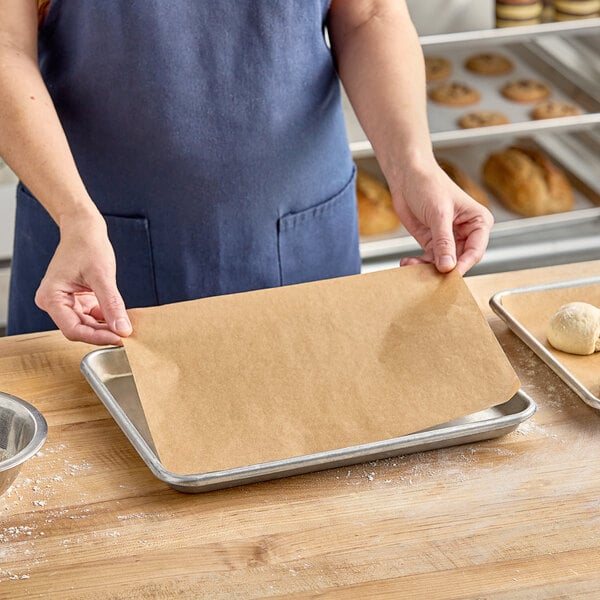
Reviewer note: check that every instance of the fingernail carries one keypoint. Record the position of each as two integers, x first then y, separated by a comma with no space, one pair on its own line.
446,261
122,326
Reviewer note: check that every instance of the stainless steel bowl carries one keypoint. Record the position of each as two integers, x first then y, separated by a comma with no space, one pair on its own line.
23,431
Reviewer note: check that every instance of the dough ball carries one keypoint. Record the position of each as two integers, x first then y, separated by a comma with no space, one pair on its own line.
575,328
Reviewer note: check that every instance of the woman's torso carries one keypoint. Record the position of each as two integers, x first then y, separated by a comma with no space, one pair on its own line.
219,124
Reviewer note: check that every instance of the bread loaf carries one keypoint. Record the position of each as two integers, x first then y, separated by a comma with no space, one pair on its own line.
463,181
527,182
376,212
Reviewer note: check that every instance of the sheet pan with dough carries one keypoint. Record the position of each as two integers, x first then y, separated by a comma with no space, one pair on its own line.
528,310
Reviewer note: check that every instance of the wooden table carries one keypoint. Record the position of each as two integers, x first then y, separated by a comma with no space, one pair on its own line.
513,518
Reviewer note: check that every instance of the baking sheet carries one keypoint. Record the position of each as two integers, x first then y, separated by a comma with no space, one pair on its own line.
527,312
109,374
267,375
470,159
443,120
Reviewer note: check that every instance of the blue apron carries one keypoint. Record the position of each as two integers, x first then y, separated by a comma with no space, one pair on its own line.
211,137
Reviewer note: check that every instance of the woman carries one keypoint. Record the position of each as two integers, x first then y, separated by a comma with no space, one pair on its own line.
203,144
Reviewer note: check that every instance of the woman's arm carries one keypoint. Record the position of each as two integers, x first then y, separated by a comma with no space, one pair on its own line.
381,65
79,290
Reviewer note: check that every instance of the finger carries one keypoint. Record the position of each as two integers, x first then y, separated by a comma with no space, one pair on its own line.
92,322
442,244
474,249
111,306
85,303
86,306
98,337
96,313
68,321
416,260
87,309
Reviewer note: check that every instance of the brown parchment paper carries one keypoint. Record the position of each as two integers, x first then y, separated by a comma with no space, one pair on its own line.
533,310
249,378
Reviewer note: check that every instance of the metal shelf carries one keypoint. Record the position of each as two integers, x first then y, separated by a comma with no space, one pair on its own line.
519,242
519,254
363,148
531,59
511,34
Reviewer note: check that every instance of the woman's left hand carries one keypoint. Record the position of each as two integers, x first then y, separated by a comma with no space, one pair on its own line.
380,62
451,227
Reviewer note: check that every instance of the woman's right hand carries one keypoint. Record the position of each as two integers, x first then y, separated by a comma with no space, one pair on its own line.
79,290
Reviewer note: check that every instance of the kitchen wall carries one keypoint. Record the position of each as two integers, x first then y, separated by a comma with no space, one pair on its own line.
444,16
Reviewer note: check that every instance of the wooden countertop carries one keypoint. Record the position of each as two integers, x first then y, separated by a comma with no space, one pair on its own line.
512,518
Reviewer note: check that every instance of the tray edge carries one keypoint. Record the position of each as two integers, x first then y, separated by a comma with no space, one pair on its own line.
530,341
204,482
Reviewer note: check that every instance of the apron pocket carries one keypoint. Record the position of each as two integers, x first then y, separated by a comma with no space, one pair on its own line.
130,238
320,242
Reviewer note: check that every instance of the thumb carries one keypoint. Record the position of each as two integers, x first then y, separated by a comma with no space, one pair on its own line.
443,245
112,306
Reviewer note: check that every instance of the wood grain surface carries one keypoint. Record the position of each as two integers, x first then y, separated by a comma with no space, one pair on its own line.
513,518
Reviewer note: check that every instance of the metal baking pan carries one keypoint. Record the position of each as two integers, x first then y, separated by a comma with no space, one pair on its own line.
108,373
531,62
530,340
575,152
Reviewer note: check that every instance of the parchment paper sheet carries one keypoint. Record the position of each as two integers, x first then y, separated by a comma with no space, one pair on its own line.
534,310
249,378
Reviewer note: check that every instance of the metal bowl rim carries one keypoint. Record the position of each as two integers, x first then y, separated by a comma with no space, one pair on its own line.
39,435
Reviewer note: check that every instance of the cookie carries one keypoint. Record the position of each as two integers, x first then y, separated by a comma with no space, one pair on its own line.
510,13
552,109
519,11
525,90
482,118
576,9
489,63
455,94
437,68
559,16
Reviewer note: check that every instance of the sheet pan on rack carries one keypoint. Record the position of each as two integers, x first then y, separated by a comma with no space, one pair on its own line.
577,156
530,63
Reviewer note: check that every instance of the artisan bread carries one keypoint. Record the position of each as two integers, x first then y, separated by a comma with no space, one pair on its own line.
463,181
527,182
375,209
